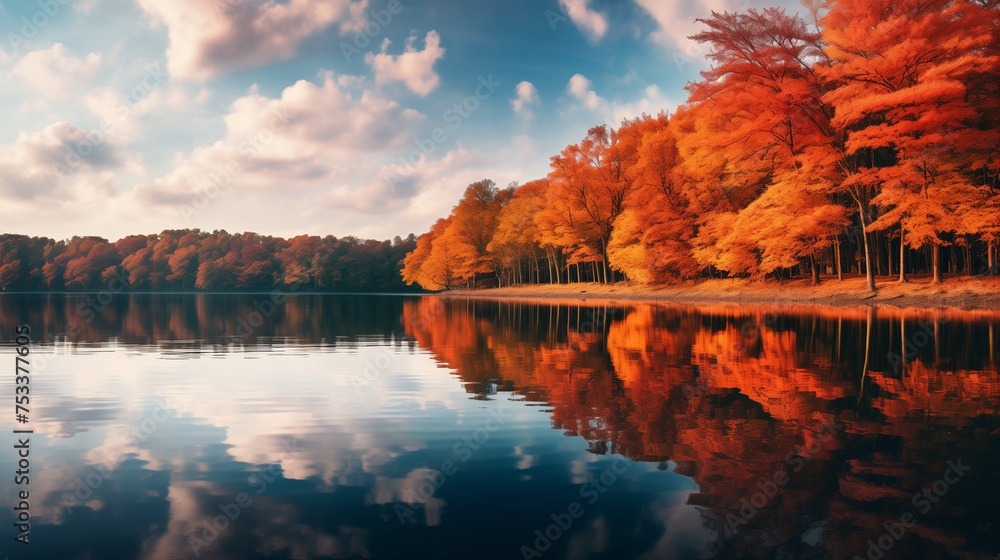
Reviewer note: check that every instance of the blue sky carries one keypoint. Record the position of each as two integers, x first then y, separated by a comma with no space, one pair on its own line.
336,117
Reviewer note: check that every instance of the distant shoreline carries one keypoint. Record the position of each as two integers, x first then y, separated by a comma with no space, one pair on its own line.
976,293
286,292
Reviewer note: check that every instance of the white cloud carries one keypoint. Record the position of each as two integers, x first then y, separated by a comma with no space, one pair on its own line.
677,20
581,89
651,103
55,73
414,68
207,37
311,135
84,6
427,181
62,164
527,96
126,115
34,106
524,145
593,24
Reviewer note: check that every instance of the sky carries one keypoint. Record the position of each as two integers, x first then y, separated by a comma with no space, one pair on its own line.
289,117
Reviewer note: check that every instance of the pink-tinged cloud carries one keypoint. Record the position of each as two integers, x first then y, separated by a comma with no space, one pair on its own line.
397,185
413,68
56,74
676,19
593,24
62,162
209,37
527,96
582,89
311,135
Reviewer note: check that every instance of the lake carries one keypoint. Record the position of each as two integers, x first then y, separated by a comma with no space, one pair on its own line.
318,426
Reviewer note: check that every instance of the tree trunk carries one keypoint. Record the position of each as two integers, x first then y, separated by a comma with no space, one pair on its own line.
555,265
837,257
936,263
869,273
902,256
878,253
815,269
991,261
888,254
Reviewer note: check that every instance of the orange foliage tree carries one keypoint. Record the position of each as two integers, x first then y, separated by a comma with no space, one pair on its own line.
876,120
901,72
769,123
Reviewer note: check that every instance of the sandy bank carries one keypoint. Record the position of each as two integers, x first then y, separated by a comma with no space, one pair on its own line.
979,293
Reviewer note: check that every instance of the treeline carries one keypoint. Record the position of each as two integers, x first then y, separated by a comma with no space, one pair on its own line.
192,259
864,136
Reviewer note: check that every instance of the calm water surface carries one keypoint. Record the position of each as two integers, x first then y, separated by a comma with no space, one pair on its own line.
233,427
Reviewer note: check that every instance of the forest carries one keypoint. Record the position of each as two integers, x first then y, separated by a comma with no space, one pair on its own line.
858,137
191,259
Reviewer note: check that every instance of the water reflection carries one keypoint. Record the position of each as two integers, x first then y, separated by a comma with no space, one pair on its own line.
407,427
178,321
736,395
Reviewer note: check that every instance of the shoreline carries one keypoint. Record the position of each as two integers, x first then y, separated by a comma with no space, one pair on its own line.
963,293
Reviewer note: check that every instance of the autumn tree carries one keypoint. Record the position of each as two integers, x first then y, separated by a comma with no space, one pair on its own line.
297,260
651,240
767,124
456,250
901,73
434,264
474,221
22,260
86,259
517,238
588,189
